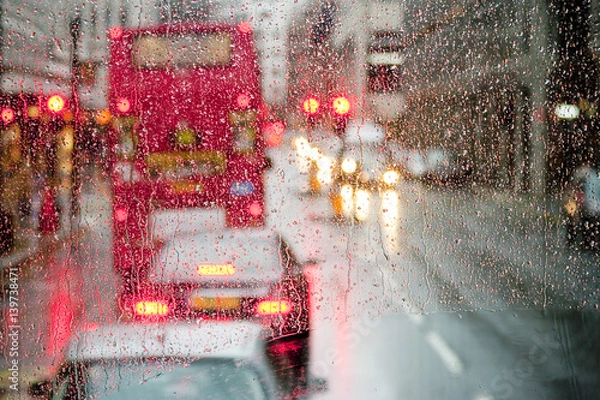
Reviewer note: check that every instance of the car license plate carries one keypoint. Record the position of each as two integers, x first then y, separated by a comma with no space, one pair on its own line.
198,303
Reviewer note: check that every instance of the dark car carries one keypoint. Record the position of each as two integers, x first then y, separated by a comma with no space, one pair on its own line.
582,208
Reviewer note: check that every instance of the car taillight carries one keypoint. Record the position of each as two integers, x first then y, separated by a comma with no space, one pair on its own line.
149,308
273,307
245,27
341,113
273,132
121,214
8,115
255,209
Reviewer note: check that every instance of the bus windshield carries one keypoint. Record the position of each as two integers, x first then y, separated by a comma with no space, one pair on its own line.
189,50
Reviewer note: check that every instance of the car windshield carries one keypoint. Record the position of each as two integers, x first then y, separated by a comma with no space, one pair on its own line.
404,195
209,379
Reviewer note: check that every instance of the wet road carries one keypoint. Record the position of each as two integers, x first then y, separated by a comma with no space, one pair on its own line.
431,297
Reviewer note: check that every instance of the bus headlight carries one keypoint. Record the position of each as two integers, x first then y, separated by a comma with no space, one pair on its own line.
390,178
349,166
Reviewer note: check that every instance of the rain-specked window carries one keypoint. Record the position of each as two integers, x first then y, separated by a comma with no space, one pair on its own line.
317,199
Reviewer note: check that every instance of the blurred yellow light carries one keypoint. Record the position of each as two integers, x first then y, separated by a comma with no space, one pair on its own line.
216,269
325,163
103,117
67,138
56,103
68,116
341,105
310,106
571,207
151,308
272,307
33,112
315,154
349,165
390,177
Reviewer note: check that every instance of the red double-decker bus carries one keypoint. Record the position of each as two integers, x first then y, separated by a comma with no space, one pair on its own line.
188,120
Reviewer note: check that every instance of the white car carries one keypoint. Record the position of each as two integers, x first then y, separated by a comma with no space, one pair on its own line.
208,360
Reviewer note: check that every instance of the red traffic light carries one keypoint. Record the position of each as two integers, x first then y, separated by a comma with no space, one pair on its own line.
7,114
123,105
310,106
341,106
56,103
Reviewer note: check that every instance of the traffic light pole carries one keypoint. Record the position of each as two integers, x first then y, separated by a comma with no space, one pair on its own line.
75,75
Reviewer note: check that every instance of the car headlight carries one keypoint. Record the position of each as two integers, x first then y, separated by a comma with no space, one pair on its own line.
349,166
302,146
390,178
325,163
571,207
315,154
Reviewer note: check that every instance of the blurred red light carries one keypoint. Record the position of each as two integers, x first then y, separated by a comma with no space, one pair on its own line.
115,32
243,100
274,133
121,215
7,114
123,105
255,209
245,27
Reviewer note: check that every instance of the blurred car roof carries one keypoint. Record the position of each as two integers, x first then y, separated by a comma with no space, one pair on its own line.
253,255
222,339
363,131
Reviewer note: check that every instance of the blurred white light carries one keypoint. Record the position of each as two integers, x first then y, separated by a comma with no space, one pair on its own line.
325,163
315,154
325,170
363,202
566,111
302,146
349,165
347,194
390,178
